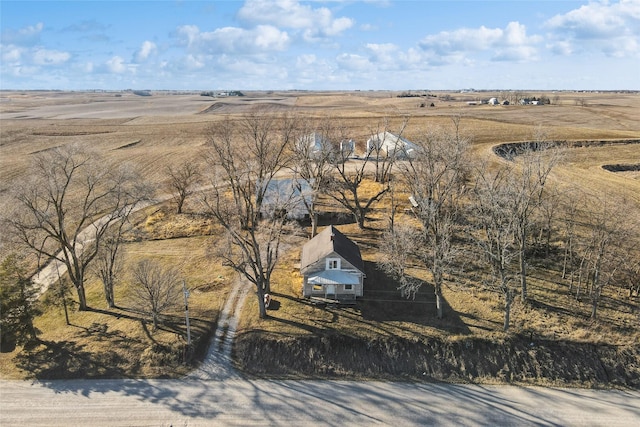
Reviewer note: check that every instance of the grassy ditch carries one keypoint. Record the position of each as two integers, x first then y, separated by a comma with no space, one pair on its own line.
515,359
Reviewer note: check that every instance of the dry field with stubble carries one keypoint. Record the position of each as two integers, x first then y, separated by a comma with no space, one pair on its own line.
168,128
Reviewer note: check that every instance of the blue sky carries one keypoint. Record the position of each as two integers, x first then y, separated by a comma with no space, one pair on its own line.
320,45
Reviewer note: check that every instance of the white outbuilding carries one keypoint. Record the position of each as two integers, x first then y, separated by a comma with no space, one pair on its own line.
317,146
391,144
314,144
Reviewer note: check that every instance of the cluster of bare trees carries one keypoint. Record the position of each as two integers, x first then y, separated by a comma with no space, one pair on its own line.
74,209
504,214
600,238
65,210
435,179
262,166
250,156
244,158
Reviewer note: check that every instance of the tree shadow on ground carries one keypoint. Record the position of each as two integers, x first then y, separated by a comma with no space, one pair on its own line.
67,359
329,218
382,301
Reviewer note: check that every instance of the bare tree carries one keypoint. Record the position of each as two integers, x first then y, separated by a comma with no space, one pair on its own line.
379,151
526,186
155,289
315,152
108,264
345,188
398,254
607,244
435,178
182,181
65,210
570,206
547,214
495,232
245,156
630,276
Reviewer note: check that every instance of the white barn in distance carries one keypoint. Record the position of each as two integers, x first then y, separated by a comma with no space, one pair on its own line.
391,145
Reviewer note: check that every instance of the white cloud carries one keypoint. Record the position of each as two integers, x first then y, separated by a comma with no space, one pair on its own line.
385,55
460,40
27,36
234,39
306,60
518,54
511,43
116,65
50,57
195,62
11,53
611,28
353,62
314,23
270,38
146,50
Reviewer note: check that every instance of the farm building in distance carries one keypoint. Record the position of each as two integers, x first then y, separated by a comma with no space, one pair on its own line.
391,145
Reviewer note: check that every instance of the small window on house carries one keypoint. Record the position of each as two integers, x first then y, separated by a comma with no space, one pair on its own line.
317,288
333,264
348,287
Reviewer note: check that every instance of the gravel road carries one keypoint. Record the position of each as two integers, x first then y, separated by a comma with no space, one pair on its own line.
236,401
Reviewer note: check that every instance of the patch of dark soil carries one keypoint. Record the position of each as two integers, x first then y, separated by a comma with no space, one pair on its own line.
45,150
66,133
512,360
622,168
511,150
220,107
129,145
215,106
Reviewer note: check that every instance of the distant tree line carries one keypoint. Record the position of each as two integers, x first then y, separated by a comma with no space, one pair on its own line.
221,93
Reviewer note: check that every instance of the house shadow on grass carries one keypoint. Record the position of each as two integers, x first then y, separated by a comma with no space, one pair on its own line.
329,218
382,301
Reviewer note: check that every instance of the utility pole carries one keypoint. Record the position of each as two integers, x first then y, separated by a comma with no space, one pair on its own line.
185,291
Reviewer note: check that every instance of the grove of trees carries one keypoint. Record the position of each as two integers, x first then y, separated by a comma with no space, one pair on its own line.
497,217
65,209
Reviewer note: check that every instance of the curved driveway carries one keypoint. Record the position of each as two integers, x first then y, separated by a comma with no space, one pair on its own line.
298,403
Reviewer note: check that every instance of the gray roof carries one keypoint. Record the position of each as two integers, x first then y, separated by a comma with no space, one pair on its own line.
327,241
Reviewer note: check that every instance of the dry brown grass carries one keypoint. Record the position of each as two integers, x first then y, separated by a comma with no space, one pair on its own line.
118,342
471,310
157,131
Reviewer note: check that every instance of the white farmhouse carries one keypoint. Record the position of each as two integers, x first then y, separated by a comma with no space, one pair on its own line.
332,267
